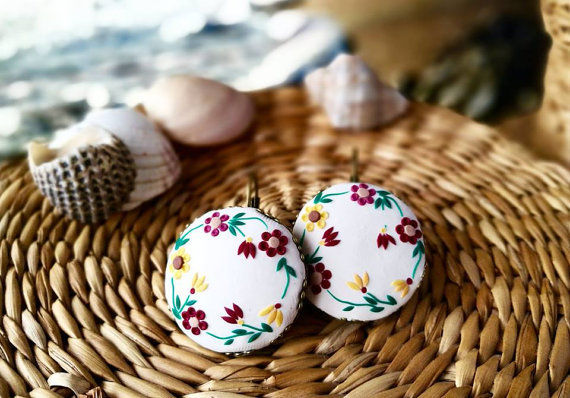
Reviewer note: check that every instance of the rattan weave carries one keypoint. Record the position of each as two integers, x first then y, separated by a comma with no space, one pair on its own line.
84,305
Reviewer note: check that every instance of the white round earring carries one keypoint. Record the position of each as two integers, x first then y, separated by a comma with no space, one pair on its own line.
364,248
234,279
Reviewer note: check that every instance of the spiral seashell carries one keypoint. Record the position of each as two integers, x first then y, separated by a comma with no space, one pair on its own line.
157,165
87,177
197,111
352,96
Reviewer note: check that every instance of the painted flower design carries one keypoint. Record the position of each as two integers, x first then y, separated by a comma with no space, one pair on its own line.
314,215
359,283
362,194
384,239
403,286
409,231
273,243
198,284
320,278
193,320
179,263
235,315
273,313
247,248
330,238
216,223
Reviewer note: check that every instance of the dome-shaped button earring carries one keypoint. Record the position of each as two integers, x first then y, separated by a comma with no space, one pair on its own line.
234,279
364,248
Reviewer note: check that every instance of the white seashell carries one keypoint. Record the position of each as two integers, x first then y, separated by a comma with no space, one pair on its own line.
314,83
352,96
157,165
197,111
86,175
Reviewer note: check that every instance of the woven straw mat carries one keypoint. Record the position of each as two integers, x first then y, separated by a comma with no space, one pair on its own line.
84,307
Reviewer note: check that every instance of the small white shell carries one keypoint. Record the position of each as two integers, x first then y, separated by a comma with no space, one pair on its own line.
197,111
157,165
352,96
86,175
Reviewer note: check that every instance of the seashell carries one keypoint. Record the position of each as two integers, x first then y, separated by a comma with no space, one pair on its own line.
352,96
157,165
87,177
197,111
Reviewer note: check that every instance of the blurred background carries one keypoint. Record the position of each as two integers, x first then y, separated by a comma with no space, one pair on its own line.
61,58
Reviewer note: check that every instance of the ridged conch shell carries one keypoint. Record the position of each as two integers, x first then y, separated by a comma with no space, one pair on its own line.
197,111
157,165
87,177
352,96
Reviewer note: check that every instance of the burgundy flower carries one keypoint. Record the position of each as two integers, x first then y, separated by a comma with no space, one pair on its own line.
247,247
409,231
319,278
273,243
384,239
216,223
194,320
235,315
362,195
329,238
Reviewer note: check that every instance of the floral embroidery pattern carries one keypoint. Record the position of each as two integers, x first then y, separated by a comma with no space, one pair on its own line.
360,284
273,243
177,305
302,237
179,263
319,278
409,231
320,198
198,284
216,223
237,221
273,313
313,258
419,252
403,286
289,272
385,239
329,238
193,320
362,194
385,200
235,317
247,248
314,215
182,240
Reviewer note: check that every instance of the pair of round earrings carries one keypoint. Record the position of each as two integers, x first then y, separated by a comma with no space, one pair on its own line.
236,278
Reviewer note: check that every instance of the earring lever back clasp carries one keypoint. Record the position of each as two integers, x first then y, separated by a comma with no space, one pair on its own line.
252,195
354,162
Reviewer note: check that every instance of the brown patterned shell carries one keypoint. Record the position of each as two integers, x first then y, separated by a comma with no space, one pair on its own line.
89,183
490,318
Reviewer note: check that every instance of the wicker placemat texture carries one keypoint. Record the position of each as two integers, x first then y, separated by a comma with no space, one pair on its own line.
83,306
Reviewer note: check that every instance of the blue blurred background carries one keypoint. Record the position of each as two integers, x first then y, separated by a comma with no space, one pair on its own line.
61,58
